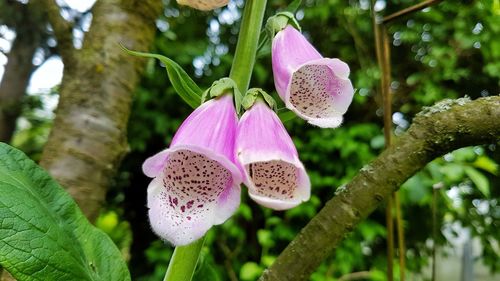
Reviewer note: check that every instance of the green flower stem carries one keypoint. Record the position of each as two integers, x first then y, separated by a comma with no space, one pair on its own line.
185,258
248,41
183,262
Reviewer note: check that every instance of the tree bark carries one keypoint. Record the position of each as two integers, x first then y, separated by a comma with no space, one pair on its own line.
19,67
449,125
88,139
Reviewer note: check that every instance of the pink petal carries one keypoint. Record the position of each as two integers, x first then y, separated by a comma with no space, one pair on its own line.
212,126
193,193
317,89
274,175
197,183
154,164
316,92
290,49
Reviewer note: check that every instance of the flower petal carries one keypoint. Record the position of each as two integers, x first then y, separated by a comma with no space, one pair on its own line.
290,49
317,89
262,137
331,122
274,175
316,92
211,126
197,183
184,200
154,164
278,184
228,203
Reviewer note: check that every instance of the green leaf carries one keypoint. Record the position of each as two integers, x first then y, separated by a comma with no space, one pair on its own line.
453,171
250,271
294,6
479,180
267,261
43,233
185,87
485,163
207,269
286,115
265,238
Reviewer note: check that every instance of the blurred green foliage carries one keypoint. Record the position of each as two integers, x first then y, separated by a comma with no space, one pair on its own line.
447,51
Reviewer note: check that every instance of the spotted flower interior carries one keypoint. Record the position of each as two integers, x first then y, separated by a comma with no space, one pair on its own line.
314,91
273,179
191,185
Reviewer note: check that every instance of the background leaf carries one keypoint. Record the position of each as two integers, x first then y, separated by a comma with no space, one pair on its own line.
43,234
479,180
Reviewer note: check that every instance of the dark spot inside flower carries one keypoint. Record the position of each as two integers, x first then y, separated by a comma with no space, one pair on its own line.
274,179
202,182
314,89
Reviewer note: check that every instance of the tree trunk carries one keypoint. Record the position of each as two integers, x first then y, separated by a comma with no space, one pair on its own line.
88,139
15,80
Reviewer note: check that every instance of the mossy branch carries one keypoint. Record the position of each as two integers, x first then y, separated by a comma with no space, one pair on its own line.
444,127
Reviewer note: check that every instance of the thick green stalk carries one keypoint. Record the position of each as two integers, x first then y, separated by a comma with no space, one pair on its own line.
183,262
184,259
248,41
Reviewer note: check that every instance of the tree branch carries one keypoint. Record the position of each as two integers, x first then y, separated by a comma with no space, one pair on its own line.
63,30
410,10
446,126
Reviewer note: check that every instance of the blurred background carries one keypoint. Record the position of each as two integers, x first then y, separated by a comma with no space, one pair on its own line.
451,208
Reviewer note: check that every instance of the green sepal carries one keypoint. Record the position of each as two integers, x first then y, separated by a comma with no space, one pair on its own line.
253,94
268,33
279,21
223,86
185,87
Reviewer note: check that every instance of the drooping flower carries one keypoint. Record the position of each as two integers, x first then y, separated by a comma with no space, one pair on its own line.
196,182
203,5
317,89
273,173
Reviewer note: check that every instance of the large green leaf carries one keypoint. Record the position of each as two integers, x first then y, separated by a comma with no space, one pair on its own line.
43,233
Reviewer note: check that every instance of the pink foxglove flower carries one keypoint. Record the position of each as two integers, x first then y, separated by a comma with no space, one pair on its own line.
196,183
273,173
204,5
317,89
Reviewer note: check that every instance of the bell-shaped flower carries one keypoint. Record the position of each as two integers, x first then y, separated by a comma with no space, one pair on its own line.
273,173
196,181
203,5
317,89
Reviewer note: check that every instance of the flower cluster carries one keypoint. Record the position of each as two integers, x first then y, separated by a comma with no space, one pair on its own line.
196,181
